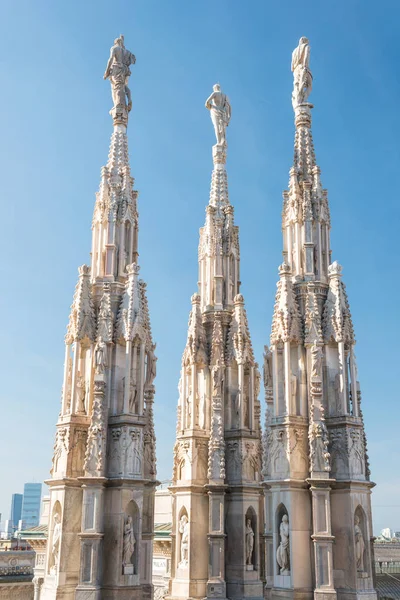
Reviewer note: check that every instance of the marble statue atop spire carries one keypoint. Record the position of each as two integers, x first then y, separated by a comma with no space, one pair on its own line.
302,77
220,109
118,72
217,522
314,445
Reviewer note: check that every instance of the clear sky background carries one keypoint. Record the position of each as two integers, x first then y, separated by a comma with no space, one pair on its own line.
54,138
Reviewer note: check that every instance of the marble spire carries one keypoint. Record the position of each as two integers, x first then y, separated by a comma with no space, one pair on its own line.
104,468
314,445
217,469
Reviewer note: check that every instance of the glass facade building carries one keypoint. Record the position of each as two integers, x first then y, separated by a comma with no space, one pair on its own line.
31,505
15,513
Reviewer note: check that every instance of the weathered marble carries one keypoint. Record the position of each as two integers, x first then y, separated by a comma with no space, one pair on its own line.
316,474
104,468
216,507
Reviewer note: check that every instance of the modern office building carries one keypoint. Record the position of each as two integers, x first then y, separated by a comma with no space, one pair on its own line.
15,513
31,505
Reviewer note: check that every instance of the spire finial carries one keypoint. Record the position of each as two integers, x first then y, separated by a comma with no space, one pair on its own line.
118,72
220,109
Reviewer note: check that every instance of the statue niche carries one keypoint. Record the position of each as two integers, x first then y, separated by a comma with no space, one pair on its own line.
130,538
55,537
250,539
283,544
360,539
183,540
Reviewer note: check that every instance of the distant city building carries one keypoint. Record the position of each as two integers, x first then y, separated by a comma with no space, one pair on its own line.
31,505
15,512
386,533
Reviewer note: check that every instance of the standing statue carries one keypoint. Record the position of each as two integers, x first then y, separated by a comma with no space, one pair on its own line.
360,544
129,542
151,366
267,367
283,552
316,361
293,389
217,378
118,72
81,393
184,531
249,542
100,356
55,548
302,77
220,109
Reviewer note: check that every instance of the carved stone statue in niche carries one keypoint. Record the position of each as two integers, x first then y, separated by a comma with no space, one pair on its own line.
132,396
217,379
249,544
246,407
81,393
236,410
151,366
197,415
293,386
360,544
55,547
267,367
128,546
188,408
184,531
100,356
316,361
283,552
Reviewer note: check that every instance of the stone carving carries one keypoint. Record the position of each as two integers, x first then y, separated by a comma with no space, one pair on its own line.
316,361
283,552
267,367
60,447
81,394
95,450
233,459
249,542
302,77
82,318
150,461
216,449
319,442
313,330
151,366
100,353
286,321
356,453
132,395
184,531
217,379
55,546
118,72
128,545
293,390
218,105
360,544
251,461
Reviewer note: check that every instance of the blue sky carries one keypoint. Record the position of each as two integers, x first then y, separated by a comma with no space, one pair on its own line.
55,132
